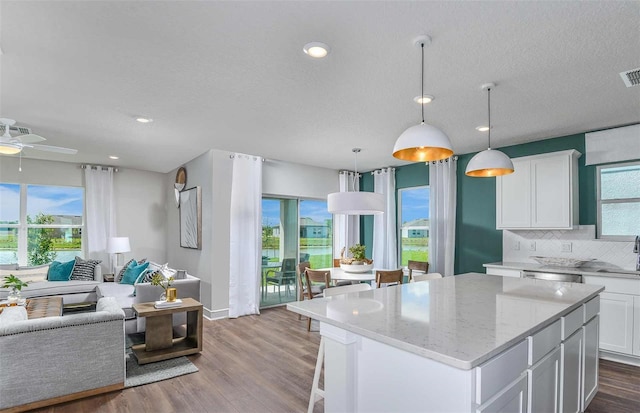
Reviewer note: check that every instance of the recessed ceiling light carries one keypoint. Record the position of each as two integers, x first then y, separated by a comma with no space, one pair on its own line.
423,100
316,49
113,157
482,128
144,120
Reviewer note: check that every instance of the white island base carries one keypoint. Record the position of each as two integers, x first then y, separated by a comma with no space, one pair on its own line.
377,362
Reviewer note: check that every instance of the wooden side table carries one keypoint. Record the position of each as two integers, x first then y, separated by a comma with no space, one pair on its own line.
159,343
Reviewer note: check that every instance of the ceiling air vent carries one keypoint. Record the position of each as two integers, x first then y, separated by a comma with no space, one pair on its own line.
631,77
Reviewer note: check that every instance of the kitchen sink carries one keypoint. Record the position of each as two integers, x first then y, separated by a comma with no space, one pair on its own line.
619,271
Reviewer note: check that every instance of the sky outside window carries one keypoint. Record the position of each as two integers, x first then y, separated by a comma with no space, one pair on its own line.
54,200
9,203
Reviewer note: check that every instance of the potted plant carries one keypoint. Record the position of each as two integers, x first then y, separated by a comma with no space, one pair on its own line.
170,293
16,285
357,252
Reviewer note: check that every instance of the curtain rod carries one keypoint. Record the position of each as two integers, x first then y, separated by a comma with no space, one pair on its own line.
104,167
250,156
453,158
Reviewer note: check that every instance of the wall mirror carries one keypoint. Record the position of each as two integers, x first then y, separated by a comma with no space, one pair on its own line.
180,183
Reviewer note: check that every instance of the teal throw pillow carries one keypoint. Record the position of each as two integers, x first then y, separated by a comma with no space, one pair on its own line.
132,272
60,271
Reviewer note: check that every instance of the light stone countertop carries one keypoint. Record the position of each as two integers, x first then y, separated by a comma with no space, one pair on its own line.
599,271
460,321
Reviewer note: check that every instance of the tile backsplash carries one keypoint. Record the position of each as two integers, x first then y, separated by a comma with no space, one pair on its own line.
517,246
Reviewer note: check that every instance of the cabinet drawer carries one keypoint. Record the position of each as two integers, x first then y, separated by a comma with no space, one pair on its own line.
591,308
543,342
501,370
572,322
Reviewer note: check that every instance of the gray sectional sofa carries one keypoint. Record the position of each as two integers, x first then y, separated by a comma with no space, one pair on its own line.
55,359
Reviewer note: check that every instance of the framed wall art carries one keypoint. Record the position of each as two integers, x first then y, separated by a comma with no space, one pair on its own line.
191,218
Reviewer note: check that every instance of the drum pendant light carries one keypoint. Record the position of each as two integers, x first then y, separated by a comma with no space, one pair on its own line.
422,143
356,202
489,162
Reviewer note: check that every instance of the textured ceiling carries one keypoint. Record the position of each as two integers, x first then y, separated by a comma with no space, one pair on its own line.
232,76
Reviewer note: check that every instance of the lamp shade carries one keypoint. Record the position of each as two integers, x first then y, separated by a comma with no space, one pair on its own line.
356,203
116,245
422,143
489,163
9,148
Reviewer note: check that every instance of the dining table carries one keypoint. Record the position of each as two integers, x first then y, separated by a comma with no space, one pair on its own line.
338,274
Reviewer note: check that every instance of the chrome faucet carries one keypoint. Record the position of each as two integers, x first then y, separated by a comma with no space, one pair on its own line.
636,249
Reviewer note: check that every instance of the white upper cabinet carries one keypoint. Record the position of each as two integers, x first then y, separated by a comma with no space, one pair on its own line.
542,193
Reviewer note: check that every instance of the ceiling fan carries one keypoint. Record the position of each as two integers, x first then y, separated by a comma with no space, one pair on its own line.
11,145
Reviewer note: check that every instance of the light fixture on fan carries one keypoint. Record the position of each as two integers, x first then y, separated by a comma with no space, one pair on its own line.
422,143
356,202
489,162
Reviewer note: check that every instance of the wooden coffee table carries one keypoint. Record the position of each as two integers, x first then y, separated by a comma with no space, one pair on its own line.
159,343
42,307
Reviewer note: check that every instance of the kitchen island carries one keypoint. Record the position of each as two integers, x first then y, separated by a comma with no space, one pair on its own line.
460,344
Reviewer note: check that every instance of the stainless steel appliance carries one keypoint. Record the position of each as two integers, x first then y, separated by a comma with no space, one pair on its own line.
552,276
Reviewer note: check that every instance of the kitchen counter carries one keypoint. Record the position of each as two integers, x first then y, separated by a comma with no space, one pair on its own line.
600,271
465,339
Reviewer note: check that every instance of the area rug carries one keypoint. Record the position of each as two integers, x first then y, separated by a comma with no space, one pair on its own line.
138,375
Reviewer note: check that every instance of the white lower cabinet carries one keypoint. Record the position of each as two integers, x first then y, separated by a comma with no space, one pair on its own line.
512,399
571,373
505,272
636,331
544,383
616,315
590,373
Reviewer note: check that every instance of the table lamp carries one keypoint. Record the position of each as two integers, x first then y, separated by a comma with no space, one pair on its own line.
118,245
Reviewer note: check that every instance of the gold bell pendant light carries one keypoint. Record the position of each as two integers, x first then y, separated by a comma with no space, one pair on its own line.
490,162
422,143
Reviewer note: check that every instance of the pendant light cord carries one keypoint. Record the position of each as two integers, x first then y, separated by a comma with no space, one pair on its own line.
489,111
422,80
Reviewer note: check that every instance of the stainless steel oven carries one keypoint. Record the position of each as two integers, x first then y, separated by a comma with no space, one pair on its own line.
552,276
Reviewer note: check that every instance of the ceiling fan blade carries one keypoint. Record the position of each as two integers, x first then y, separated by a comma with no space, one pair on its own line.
31,138
48,148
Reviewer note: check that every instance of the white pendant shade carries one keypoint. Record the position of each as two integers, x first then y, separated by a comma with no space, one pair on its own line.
356,203
489,163
422,143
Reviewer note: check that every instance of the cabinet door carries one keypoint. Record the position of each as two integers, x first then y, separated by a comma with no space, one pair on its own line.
512,399
544,384
636,330
513,197
590,365
505,272
616,322
551,192
571,373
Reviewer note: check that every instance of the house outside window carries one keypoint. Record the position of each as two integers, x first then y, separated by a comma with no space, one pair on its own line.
619,201
413,217
40,223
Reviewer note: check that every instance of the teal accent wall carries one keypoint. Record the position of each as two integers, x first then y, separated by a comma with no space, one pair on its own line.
477,240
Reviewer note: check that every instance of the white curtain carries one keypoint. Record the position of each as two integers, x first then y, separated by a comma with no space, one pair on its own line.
245,236
442,215
101,212
385,247
346,228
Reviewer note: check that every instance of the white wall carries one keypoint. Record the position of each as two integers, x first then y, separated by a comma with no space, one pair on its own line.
140,200
297,180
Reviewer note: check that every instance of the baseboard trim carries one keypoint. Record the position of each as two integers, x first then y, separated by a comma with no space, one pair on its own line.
63,399
619,358
216,314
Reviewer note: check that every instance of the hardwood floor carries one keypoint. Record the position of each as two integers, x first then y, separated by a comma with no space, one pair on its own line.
265,364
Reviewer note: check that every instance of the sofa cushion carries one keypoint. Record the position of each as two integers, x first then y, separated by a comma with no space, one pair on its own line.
27,274
132,272
48,288
118,276
84,269
13,266
60,271
13,314
123,294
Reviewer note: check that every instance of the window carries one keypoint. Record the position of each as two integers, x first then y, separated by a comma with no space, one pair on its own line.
619,201
413,224
40,224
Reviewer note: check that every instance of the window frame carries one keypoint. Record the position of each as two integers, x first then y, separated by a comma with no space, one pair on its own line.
600,201
399,219
23,227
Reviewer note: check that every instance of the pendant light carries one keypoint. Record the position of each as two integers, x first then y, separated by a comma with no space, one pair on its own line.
489,162
356,202
422,143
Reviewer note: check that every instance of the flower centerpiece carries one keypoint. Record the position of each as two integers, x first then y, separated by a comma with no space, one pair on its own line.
16,285
357,262
170,293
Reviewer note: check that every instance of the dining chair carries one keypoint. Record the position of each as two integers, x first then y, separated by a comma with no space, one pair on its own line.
285,276
425,277
336,262
321,279
389,277
317,393
422,266
301,282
